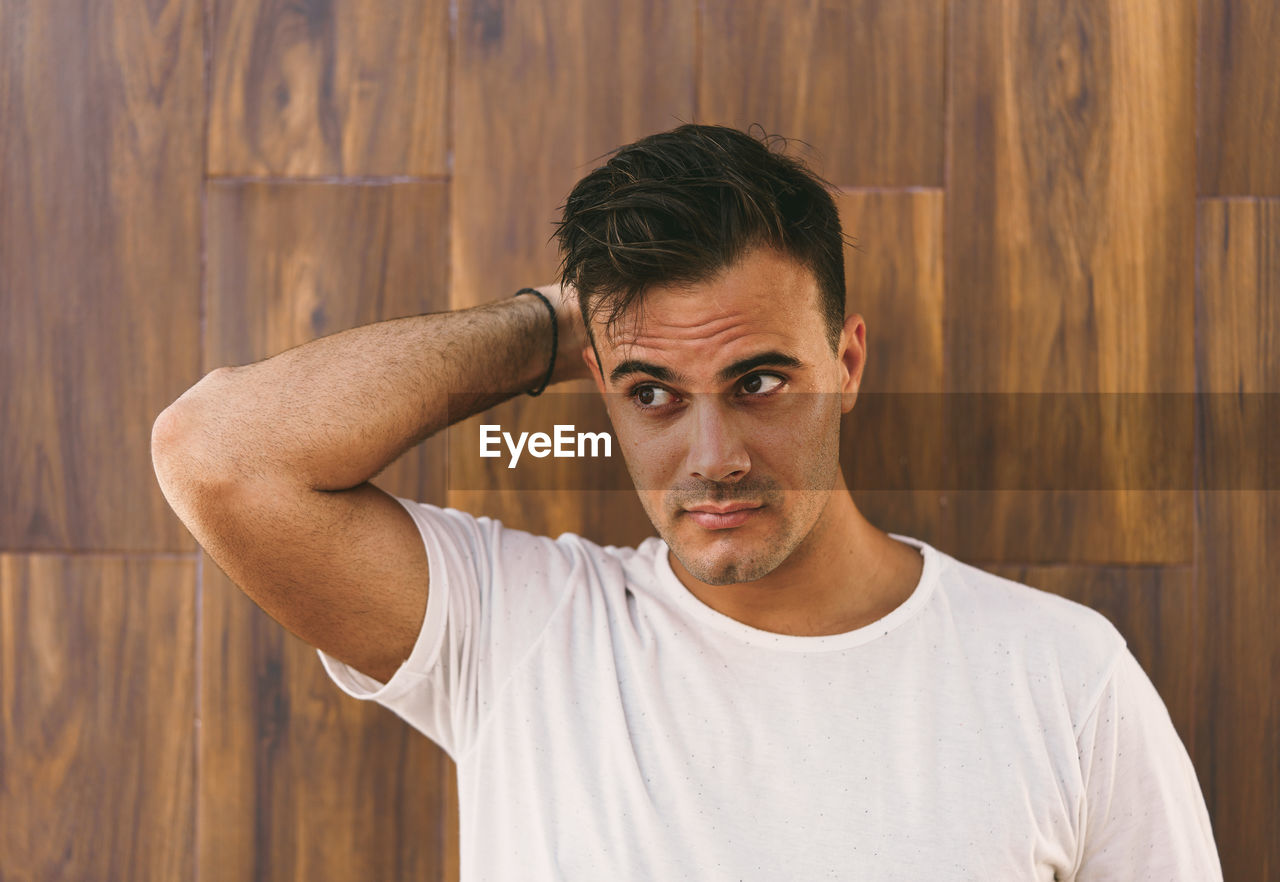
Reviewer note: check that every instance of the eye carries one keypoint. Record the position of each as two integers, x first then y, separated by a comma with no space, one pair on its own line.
762,384
649,396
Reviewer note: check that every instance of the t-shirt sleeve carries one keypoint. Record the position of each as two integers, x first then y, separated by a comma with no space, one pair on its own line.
1144,813
493,591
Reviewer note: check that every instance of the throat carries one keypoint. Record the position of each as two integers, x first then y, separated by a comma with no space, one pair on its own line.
890,585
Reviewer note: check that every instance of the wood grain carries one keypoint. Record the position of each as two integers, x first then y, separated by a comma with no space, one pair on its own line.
894,280
543,90
290,262
305,89
1069,241
97,717
863,82
100,119
1238,690
152,729
1238,98
298,780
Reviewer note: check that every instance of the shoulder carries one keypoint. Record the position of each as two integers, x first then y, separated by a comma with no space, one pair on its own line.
1039,615
513,549
1052,638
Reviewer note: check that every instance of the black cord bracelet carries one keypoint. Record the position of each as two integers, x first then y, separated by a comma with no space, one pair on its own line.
555,338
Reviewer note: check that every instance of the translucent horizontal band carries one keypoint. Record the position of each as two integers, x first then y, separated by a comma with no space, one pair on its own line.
889,441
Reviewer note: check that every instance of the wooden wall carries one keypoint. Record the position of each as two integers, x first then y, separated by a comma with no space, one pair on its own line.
1067,196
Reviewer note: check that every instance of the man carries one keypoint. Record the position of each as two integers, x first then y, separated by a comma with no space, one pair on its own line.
772,688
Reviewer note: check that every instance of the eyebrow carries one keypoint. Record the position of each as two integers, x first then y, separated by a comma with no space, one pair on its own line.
772,358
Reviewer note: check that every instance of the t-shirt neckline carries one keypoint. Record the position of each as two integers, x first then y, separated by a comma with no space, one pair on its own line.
794,642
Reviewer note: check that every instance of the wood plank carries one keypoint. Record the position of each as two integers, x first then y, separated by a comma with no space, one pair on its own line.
1238,98
97,710
1238,690
288,263
100,120
599,76
1070,245
894,280
307,89
863,82
299,781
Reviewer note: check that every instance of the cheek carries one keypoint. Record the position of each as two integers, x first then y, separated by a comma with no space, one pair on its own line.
801,427
646,442
652,458
801,451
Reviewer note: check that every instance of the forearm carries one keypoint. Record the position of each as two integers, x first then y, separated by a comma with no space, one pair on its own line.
332,413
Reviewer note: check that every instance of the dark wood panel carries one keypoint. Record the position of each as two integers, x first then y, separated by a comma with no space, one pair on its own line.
306,89
97,699
1238,88
863,82
300,781
1238,699
1070,245
894,280
290,262
100,119
543,90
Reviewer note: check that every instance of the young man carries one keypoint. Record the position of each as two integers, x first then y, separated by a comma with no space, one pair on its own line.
771,688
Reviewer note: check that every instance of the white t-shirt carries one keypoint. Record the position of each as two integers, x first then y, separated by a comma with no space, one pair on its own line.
607,724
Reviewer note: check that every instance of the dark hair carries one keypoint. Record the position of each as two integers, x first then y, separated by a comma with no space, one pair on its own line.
678,207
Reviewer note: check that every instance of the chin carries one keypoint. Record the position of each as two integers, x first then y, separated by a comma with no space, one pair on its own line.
725,566
721,578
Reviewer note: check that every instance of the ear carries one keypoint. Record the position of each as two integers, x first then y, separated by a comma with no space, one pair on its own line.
852,355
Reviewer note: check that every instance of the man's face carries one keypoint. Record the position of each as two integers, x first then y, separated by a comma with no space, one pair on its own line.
725,394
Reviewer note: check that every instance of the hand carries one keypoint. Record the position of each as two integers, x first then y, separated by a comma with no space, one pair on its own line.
573,334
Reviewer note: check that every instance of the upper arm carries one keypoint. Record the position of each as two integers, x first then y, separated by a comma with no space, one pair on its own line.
1145,815
346,570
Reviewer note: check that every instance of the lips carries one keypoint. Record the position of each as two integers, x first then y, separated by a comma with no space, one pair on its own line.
714,517
723,509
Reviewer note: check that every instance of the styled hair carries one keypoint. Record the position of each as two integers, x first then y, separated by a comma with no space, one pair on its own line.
678,207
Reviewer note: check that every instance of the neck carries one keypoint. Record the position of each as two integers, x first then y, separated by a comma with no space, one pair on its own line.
846,573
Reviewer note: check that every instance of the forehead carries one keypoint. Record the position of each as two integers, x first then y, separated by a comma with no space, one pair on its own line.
766,300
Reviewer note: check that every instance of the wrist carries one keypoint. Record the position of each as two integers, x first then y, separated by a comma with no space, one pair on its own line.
547,353
572,340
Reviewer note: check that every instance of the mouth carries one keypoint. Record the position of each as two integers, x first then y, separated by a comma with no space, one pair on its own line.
722,517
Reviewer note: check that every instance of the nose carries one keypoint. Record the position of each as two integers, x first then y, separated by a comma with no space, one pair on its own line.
716,451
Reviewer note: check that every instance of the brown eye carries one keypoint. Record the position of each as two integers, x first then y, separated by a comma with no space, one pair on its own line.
752,384
650,396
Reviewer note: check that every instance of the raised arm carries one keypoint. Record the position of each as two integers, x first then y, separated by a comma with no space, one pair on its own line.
268,463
